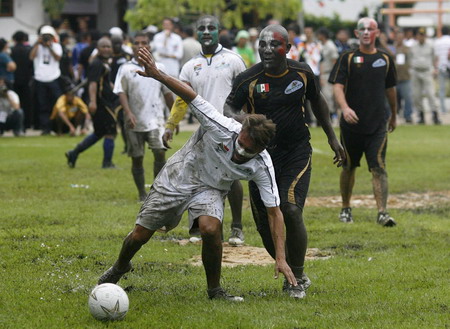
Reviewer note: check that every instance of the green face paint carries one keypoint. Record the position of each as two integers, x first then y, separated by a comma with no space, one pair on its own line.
208,32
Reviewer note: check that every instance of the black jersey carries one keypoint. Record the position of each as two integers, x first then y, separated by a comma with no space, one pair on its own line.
280,98
100,72
366,78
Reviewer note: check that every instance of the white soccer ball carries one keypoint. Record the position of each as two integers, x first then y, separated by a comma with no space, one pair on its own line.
108,302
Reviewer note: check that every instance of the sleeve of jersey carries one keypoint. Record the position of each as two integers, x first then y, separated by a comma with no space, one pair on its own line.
95,71
391,76
238,96
81,105
265,180
177,113
209,118
339,72
118,84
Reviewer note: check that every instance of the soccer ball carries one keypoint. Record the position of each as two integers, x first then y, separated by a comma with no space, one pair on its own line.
108,302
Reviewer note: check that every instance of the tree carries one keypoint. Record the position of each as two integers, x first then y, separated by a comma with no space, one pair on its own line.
53,7
229,11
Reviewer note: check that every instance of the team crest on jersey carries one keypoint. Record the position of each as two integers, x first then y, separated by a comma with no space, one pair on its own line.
293,86
222,148
197,68
263,88
379,63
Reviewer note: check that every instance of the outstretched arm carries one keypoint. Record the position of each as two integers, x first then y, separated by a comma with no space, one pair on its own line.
178,87
321,112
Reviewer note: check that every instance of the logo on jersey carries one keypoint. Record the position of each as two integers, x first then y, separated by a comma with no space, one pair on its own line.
263,88
358,59
379,63
293,86
197,68
222,148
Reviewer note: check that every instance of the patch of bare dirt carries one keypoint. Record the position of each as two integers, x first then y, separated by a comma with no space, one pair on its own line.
397,201
248,255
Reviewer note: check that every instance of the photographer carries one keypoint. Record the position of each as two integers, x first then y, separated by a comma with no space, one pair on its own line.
46,54
11,115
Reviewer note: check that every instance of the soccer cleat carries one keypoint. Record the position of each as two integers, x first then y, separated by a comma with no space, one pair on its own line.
71,158
236,237
346,215
385,220
219,293
113,275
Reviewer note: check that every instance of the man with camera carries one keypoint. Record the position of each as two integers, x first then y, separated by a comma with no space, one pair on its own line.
46,54
11,115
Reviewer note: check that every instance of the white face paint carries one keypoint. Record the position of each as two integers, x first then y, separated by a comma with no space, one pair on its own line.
242,152
272,49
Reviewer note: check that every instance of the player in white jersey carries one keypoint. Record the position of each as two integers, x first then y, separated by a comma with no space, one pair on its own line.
196,179
211,74
144,112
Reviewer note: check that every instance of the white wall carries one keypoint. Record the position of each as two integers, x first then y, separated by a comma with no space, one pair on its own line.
28,16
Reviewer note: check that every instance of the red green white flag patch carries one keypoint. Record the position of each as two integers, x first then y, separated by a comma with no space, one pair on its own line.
263,88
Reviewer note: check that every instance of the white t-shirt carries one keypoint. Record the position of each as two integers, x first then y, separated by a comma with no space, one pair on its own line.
46,67
204,162
144,95
171,45
212,77
442,51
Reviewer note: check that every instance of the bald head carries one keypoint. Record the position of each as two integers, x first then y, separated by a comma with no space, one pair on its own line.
271,29
367,31
273,47
104,47
367,21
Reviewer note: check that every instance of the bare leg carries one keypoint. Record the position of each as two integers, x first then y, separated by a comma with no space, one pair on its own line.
380,188
235,197
210,229
347,181
131,245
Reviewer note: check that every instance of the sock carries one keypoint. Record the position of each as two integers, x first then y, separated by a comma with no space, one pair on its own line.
298,271
157,166
139,180
86,143
108,150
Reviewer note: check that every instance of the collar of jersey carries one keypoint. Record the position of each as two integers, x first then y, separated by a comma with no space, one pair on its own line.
277,76
219,48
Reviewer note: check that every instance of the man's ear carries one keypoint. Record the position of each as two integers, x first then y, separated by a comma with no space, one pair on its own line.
288,47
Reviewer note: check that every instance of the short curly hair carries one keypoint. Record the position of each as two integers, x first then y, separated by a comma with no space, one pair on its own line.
260,129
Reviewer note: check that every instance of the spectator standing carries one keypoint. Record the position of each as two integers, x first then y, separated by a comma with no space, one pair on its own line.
191,46
46,54
363,78
65,64
341,42
423,66
294,40
310,51
403,61
141,99
23,75
168,47
84,41
442,51
103,106
329,55
243,49
11,115
7,64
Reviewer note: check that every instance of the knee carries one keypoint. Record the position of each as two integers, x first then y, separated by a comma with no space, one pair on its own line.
378,172
210,229
140,235
292,214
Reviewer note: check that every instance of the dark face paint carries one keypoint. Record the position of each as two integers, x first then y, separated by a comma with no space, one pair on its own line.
272,50
208,32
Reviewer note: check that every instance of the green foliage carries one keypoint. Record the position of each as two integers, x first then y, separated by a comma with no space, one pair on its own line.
230,12
333,24
53,7
56,240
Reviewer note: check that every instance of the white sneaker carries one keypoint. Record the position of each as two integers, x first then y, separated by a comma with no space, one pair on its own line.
195,239
236,237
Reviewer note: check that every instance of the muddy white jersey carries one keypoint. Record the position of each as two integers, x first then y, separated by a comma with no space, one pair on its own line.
212,76
205,161
144,95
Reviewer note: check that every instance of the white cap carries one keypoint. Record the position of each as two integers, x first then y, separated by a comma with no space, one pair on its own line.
47,29
151,29
116,31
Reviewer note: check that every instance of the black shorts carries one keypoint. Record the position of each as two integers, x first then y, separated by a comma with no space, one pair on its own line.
105,121
372,146
292,173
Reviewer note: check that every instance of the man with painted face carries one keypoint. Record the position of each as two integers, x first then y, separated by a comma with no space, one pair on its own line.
197,178
211,74
363,78
278,88
103,106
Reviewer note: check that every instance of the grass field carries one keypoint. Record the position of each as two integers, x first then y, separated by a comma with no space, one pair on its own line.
57,239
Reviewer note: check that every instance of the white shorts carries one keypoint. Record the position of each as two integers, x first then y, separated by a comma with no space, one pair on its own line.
163,212
136,141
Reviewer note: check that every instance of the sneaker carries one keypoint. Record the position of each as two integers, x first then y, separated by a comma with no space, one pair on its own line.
236,237
108,165
346,215
297,292
113,275
195,239
219,293
385,220
71,158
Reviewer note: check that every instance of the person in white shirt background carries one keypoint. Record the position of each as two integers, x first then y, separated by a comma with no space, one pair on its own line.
442,52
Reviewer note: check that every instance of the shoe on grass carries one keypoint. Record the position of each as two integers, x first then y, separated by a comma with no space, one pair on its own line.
236,237
346,215
385,220
113,275
71,158
220,293
298,291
